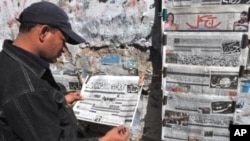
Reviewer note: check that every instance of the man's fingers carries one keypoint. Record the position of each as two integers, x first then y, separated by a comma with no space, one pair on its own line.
122,130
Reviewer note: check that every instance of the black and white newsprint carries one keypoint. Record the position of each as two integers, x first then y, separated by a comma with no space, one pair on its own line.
109,100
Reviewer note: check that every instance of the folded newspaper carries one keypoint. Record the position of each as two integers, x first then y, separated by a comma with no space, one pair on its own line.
109,100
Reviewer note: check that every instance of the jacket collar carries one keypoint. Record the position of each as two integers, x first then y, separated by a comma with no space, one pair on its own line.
30,61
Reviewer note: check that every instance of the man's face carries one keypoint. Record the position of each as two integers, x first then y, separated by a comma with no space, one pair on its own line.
54,46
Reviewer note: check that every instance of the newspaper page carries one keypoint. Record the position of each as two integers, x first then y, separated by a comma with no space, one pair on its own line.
200,81
232,2
217,18
109,100
203,49
188,3
194,131
189,117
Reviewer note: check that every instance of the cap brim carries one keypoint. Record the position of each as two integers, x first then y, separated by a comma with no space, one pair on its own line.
73,38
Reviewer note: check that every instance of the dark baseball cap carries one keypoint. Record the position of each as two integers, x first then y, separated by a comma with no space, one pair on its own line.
50,14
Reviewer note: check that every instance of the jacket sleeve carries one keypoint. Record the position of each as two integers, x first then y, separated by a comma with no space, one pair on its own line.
42,116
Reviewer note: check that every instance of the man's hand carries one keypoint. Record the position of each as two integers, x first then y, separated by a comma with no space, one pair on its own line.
120,133
72,97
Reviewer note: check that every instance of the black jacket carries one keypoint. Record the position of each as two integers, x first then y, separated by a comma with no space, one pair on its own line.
32,108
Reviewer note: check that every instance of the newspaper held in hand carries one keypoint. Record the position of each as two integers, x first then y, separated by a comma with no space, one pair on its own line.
109,100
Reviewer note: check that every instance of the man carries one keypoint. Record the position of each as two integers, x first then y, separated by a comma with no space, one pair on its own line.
242,23
32,107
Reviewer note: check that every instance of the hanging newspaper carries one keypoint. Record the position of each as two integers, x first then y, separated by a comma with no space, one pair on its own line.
229,18
109,100
188,3
191,117
192,3
200,81
232,2
207,121
203,49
